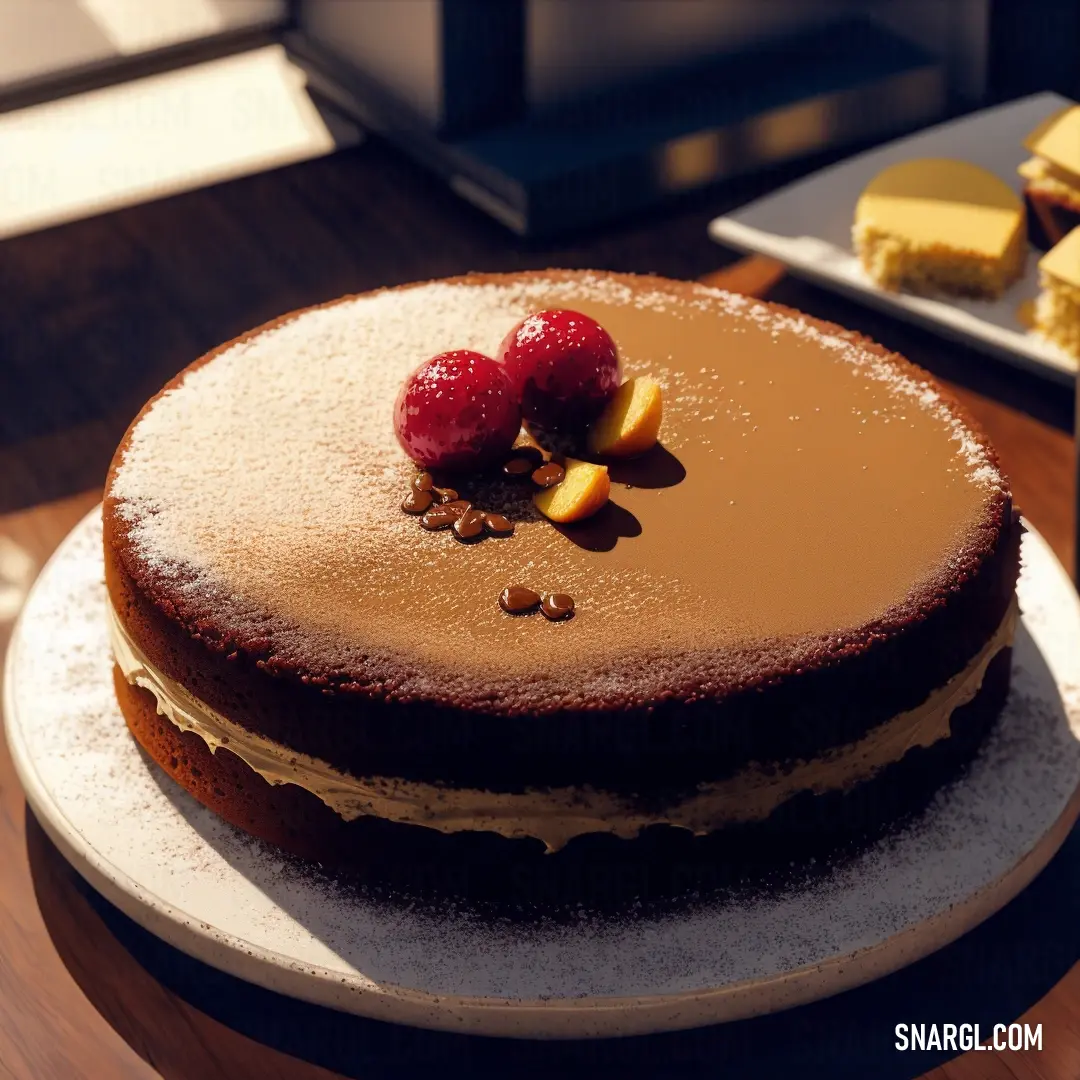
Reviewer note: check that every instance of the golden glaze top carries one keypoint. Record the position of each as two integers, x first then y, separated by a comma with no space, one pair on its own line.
808,486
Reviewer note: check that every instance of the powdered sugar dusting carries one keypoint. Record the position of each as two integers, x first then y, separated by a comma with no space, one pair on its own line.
334,370
983,470
238,905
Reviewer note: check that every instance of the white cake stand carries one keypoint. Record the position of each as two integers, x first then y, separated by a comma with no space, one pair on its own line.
230,901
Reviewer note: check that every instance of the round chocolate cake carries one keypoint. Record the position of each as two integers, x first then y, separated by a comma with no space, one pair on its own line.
791,620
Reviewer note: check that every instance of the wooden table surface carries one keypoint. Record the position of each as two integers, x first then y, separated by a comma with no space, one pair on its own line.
96,315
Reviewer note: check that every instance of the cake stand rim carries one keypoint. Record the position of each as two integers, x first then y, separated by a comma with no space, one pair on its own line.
567,1018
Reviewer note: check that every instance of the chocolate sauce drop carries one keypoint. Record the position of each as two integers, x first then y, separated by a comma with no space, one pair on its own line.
470,525
416,502
556,606
517,600
548,475
498,525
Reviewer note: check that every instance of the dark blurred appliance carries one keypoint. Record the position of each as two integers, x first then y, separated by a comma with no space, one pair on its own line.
553,114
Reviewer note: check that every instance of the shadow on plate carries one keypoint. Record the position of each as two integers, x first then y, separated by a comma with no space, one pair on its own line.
993,974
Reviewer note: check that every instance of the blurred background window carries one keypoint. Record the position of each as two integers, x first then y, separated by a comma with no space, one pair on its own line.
547,114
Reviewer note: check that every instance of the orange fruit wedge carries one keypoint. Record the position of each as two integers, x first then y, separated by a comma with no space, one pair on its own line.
581,492
630,422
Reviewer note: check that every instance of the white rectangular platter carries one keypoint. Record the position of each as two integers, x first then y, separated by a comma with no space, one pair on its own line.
807,226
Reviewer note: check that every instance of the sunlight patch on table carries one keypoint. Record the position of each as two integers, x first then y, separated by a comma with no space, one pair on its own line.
156,136
17,570
137,25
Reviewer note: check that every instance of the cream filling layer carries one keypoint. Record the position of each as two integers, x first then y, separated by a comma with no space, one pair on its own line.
557,815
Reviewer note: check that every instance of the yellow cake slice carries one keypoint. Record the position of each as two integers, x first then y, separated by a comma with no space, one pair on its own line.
941,225
1057,310
1052,176
1055,143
